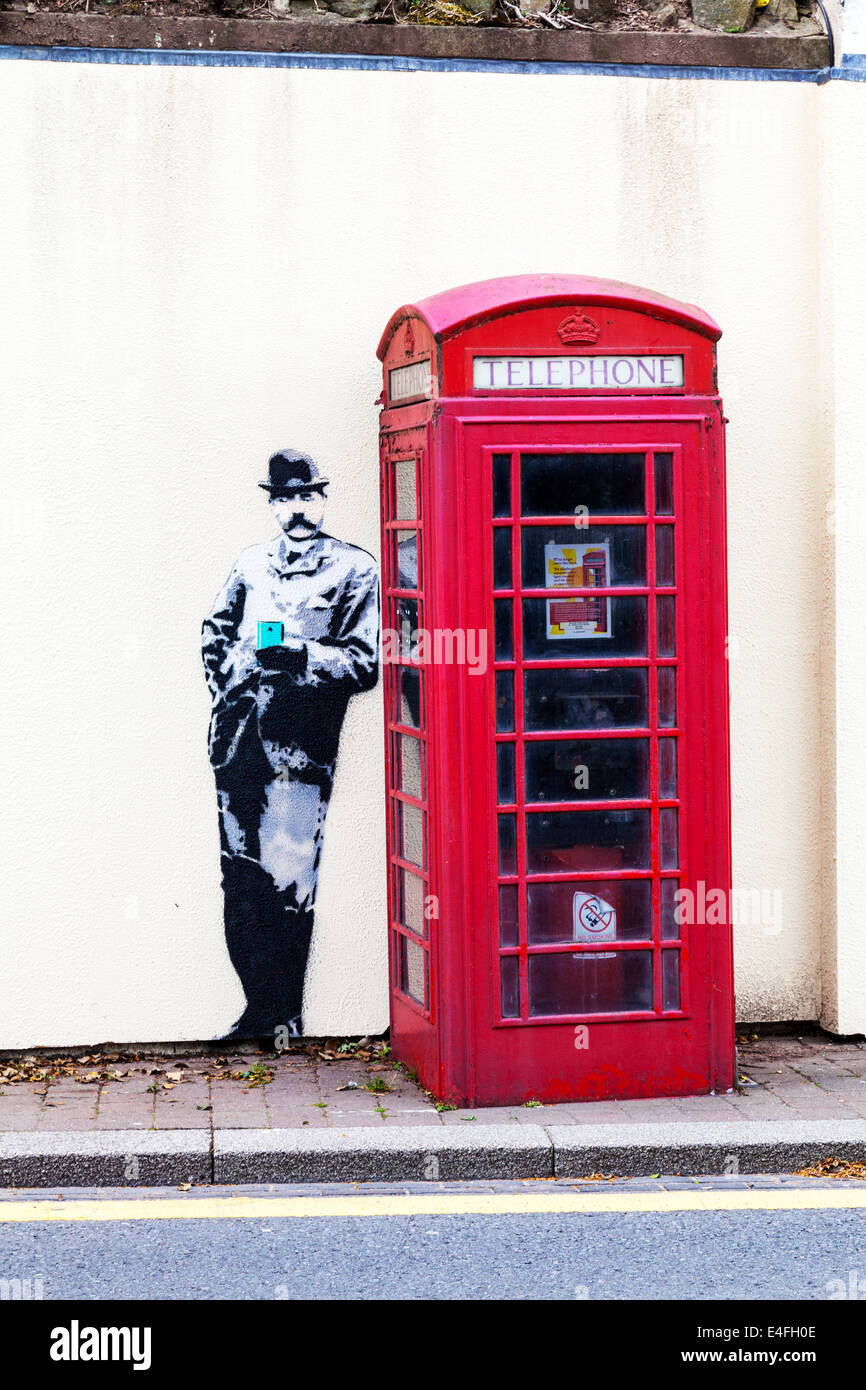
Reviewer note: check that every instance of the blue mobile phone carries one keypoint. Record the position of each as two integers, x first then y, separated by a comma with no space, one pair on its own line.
270,635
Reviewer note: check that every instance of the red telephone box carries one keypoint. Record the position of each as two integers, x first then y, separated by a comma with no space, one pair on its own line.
553,534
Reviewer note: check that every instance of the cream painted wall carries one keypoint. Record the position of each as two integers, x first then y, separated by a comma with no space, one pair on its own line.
196,266
848,18
843,215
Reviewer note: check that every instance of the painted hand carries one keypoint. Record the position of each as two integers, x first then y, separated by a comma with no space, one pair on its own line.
289,659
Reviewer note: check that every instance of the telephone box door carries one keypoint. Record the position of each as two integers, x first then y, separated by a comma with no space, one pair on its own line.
596,797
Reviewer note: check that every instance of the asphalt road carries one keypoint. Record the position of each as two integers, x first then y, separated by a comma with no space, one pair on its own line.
333,1249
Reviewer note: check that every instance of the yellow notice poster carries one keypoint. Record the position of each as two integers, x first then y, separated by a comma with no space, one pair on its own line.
584,566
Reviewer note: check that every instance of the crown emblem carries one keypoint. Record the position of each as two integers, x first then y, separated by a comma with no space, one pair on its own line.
409,339
578,328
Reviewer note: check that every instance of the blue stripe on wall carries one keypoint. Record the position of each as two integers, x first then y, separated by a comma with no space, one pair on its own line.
851,69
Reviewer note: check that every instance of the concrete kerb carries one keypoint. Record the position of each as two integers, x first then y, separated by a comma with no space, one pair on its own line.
135,1158
382,1155
691,1148
111,1158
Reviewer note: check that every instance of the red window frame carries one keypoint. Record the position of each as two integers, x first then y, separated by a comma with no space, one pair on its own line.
649,519
402,938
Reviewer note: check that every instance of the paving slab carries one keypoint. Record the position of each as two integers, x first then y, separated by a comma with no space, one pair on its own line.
66,1118
760,1105
404,1119
170,1115
22,1115
236,1107
114,1116
296,1117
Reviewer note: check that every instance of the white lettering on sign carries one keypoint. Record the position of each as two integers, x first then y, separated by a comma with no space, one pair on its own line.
414,380
594,919
627,373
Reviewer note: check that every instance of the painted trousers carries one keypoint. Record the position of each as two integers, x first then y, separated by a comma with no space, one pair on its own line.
272,802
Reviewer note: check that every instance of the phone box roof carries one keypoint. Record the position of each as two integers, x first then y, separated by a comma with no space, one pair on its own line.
454,311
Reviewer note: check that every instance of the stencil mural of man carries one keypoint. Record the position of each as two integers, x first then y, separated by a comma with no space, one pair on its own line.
292,637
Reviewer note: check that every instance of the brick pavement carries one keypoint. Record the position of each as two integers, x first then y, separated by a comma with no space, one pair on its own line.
805,1076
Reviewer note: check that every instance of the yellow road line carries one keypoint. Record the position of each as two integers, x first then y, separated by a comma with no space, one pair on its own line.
430,1204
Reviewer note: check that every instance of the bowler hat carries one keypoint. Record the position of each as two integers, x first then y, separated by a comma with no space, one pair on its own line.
289,471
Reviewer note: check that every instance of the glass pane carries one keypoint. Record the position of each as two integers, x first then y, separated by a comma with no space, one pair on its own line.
410,833
671,928
508,914
583,627
502,557
668,838
670,979
598,769
406,499
412,970
502,642
407,568
566,484
410,901
504,702
665,620
667,768
510,972
605,697
618,910
665,555
591,557
501,484
667,678
590,982
507,844
408,769
664,484
408,624
505,773
409,682
568,842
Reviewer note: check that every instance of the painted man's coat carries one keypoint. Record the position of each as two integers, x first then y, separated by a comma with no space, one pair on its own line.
274,735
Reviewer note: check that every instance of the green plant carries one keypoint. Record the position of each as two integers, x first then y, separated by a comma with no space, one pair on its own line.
443,1105
258,1074
377,1084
